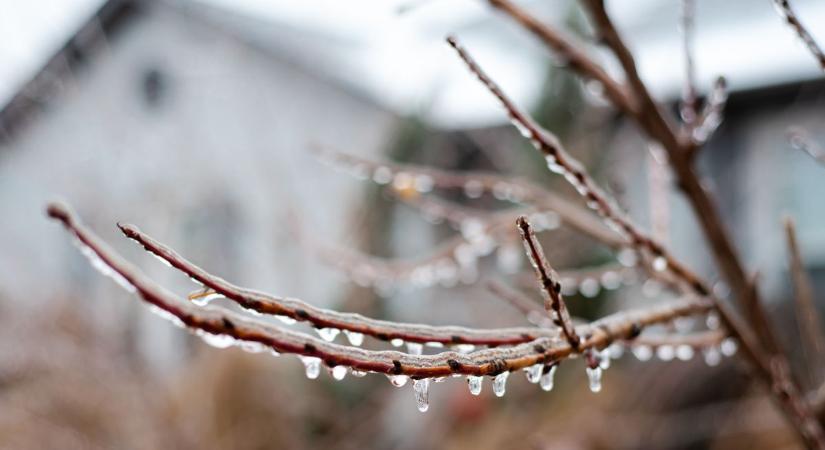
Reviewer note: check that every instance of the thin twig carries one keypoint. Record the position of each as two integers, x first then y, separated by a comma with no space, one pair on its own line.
549,282
787,13
807,316
688,108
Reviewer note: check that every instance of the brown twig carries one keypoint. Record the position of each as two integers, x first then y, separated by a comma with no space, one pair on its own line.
807,316
218,321
548,280
787,13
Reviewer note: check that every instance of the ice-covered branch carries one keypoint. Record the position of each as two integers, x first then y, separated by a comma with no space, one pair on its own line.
783,7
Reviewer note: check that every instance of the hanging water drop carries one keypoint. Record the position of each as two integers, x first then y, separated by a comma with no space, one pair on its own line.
464,348
397,342
500,384
547,377
422,393
728,347
684,352
712,356
355,338
604,359
665,352
712,321
328,334
358,373
473,189
339,372
534,372
253,347
382,175
216,340
594,377
616,350
286,320
398,380
414,348
312,366
659,264
475,384
642,352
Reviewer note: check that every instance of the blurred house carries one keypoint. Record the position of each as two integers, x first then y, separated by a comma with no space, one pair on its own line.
178,117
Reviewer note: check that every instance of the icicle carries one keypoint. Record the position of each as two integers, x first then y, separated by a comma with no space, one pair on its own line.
312,365
355,338
712,356
500,384
604,359
398,380
642,352
594,377
422,393
665,352
397,342
339,372
475,384
328,334
534,372
414,348
728,347
547,377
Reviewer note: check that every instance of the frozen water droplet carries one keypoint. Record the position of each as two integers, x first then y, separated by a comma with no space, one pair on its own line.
665,352
434,344
684,352
712,321
475,384
422,393
402,181
382,175
604,359
594,377
253,347
524,131
201,298
659,263
509,258
167,315
414,348
546,381
473,189
355,338
627,257
500,384
589,287
712,356
397,342
339,372
358,373
642,352
553,165
312,366
398,380
728,347
216,340
616,350
611,280
534,372
286,320
423,183
274,352
328,334
464,348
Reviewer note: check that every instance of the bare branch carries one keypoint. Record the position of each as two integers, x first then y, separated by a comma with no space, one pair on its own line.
807,315
548,280
324,318
712,113
570,53
688,108
217,321
783,7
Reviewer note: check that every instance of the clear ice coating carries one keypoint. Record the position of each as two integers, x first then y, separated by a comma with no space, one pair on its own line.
534,372
286,320
253,347
475,384
102,267
328,334
546,381
500,384
398,380
414,348
594,378
422,393
203,300
339,372
358,373
354,337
